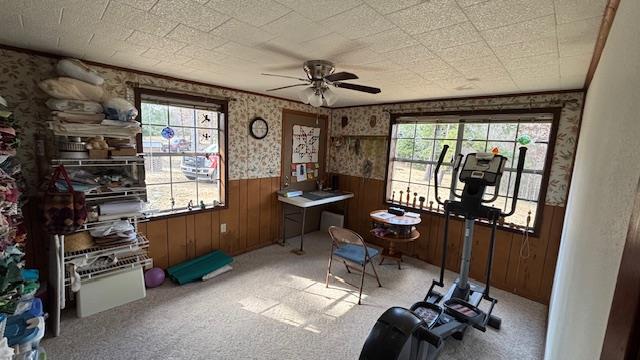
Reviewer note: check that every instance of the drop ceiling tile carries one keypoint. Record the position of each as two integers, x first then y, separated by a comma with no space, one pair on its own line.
523,31
496,13
409,54
296,27
358,22
466,51
242,52
578,37
388,40
121,15
538,72
158,54
527,49
449,36
460,84
145,5
185,34
531,61
318,10
487,74
157,42
490,61
574,10
189,12
110,45
538,84
328,46
255,12
196,52
428,16
242,33
466,3
204,66
137,62
386,6
441,74
357,57
428,65
574,65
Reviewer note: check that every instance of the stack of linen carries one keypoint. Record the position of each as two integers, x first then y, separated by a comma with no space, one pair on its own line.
114,234
80,107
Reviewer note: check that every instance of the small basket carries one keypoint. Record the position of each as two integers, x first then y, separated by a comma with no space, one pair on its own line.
78,242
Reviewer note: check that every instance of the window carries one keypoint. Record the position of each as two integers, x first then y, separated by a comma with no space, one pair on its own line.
183,141
417,141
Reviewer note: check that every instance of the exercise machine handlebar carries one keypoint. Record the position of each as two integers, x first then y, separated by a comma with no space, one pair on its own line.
516,190
435,177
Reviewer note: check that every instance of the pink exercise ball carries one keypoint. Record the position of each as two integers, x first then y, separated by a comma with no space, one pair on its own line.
154,277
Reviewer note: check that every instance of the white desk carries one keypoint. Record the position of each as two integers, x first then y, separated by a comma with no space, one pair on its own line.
304,203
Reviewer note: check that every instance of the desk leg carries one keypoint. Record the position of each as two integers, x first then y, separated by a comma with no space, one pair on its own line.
284,222
304,217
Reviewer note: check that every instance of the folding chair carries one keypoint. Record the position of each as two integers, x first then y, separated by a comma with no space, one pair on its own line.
350,247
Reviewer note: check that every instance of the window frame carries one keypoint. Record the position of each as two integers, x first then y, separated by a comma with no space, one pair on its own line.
544,184
223,130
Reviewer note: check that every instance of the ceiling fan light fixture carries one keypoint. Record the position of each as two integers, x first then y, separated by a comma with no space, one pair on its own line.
315,100
329,97
306,94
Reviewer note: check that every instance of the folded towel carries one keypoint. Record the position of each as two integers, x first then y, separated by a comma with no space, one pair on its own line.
74,106
120,207
77,118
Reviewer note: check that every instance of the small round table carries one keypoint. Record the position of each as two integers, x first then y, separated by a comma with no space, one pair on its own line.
393,239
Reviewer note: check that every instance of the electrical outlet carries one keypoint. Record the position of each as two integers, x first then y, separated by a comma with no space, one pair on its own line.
223,228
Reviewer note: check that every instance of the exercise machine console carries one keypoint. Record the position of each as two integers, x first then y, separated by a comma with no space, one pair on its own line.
419,333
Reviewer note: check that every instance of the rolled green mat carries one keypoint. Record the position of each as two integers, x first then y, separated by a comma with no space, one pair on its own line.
195,269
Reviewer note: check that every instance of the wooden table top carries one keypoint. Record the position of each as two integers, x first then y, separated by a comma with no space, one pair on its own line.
399,239
395,220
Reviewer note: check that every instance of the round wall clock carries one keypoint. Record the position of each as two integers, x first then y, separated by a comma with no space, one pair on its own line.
258,128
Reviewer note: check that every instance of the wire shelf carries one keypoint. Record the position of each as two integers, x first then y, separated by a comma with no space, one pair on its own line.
123,264
134,160
96,251
116,194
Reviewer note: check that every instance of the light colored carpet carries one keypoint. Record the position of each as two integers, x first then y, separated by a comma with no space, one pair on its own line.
274,305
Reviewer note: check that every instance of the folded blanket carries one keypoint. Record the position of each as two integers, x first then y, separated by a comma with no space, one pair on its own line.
68,88
80,118
90,130
120,207
74,106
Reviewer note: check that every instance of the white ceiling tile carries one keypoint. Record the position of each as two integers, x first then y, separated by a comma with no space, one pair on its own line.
242,33
318,10
428,16
140,4
488,74
108,44
157,42
255,12
242,52
157,54
409,54
490,61
573,10
121,15
441,74
428,65
190,13
357,57
461,84
578,37
296,27
192,36
197,52
388,40
465,51
496,13
137,62
531,61
358,22
523,31
538,72
203,65
574,65
449,36
466,3
386,6
328,46
527,48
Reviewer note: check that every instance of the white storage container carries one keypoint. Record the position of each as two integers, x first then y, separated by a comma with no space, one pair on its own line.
110,291
330,219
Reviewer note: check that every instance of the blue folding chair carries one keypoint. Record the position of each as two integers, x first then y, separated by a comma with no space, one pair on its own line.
350,247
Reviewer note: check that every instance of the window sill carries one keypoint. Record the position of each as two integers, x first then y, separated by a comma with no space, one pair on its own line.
516,229
184,212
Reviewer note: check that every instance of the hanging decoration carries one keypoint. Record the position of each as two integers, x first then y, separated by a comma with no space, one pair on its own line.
168,133
524,140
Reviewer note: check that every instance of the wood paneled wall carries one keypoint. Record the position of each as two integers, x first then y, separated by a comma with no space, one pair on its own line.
252,219
531,277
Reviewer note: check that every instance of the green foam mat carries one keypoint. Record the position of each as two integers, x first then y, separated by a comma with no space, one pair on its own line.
194,269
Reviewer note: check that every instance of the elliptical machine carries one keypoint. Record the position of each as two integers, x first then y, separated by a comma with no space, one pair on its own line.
419,333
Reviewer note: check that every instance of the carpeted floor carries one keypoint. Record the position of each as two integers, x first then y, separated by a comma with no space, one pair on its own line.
274,305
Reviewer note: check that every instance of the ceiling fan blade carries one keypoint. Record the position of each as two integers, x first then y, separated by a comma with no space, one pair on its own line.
286,76
356,87
285,87
340,76
283,52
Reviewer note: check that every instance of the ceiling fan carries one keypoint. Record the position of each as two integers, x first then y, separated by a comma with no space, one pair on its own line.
320,76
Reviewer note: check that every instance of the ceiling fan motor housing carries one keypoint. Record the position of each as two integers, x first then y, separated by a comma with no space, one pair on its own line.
318,69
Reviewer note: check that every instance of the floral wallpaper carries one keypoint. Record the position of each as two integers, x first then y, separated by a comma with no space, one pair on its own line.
373,121
248,157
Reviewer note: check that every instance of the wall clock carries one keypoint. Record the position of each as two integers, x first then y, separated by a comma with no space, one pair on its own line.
258,128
